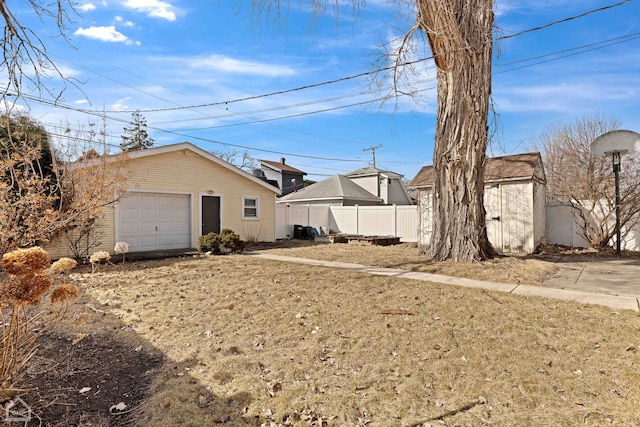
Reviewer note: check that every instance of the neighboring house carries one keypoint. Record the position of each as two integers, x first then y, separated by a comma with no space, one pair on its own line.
381,183
337,190
179,192
514,200
288,178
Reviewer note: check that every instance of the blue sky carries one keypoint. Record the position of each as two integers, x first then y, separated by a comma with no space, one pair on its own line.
185,65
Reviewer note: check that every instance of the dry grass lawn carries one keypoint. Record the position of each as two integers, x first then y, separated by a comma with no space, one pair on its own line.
513,269
257,342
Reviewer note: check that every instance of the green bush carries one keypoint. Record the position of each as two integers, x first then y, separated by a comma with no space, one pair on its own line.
225,242
209,243
231,241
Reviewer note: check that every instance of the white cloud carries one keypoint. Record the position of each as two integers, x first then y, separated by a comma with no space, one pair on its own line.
560,97
66,71
502,7
105,34
121,21
87,7
231,65
121,104
8,106
153,8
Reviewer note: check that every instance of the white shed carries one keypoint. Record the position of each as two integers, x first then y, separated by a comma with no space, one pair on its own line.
514,199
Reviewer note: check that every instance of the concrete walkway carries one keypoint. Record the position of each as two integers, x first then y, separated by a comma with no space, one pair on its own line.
567,286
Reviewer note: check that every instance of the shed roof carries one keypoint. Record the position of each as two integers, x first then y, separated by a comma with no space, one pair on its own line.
335,187
504,168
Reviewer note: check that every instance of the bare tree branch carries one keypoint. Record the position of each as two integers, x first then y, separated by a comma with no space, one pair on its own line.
584,182
25,58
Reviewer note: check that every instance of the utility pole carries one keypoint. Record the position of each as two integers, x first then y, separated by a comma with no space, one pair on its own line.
373,153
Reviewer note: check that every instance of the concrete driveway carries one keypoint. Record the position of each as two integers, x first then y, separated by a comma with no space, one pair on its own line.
608,276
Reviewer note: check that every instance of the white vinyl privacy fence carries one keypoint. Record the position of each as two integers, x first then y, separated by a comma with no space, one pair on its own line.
398,221
565,227
562,227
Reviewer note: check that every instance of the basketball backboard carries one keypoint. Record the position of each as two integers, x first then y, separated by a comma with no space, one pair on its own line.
616,141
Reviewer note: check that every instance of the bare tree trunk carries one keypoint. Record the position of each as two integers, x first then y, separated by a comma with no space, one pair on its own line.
460,36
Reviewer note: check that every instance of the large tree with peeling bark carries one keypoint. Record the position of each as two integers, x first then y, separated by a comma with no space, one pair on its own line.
460,36
459,33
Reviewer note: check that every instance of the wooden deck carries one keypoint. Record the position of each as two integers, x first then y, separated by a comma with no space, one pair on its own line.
355,239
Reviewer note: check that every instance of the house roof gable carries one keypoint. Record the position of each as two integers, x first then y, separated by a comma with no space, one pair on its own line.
370,170
504,168
334,187
171,148
281,167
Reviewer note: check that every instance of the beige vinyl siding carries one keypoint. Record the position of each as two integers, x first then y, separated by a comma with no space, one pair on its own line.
105,227
186,172
396,193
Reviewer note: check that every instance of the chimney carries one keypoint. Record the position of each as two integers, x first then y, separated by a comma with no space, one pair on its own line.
282,160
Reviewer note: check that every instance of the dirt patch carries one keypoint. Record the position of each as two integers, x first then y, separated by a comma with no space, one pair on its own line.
95,379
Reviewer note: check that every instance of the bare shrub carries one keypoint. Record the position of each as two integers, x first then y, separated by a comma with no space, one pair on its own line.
584,182
43,193
252,234
29,278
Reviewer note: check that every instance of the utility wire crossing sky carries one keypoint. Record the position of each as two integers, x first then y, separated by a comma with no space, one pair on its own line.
315,88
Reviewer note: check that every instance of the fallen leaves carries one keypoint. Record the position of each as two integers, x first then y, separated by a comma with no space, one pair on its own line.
114,409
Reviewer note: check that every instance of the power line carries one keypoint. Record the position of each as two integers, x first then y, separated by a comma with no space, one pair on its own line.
368,73
561,21
595,46
617,40
59,105
102,114
563,56
328,82
608,42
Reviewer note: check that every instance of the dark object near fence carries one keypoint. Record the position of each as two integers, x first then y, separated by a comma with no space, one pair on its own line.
303,232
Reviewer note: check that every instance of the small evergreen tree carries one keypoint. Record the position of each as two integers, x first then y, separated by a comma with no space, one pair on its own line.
25,150
135,135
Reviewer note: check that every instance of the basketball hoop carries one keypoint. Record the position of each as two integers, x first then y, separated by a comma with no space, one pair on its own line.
616,143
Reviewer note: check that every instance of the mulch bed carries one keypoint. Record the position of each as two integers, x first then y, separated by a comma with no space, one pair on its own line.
92,380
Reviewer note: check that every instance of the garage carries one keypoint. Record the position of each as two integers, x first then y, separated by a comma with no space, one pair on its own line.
154,221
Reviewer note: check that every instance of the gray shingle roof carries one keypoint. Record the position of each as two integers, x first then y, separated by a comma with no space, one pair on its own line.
370,170
334,187
281,167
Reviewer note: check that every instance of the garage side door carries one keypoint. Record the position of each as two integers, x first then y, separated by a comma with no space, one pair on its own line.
151,221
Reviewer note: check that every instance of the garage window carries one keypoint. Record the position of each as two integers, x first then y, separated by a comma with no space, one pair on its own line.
250,208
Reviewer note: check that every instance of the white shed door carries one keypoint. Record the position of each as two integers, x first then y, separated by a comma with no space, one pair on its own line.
494,215
150,221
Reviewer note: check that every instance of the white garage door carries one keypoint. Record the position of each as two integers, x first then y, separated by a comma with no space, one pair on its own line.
150,221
